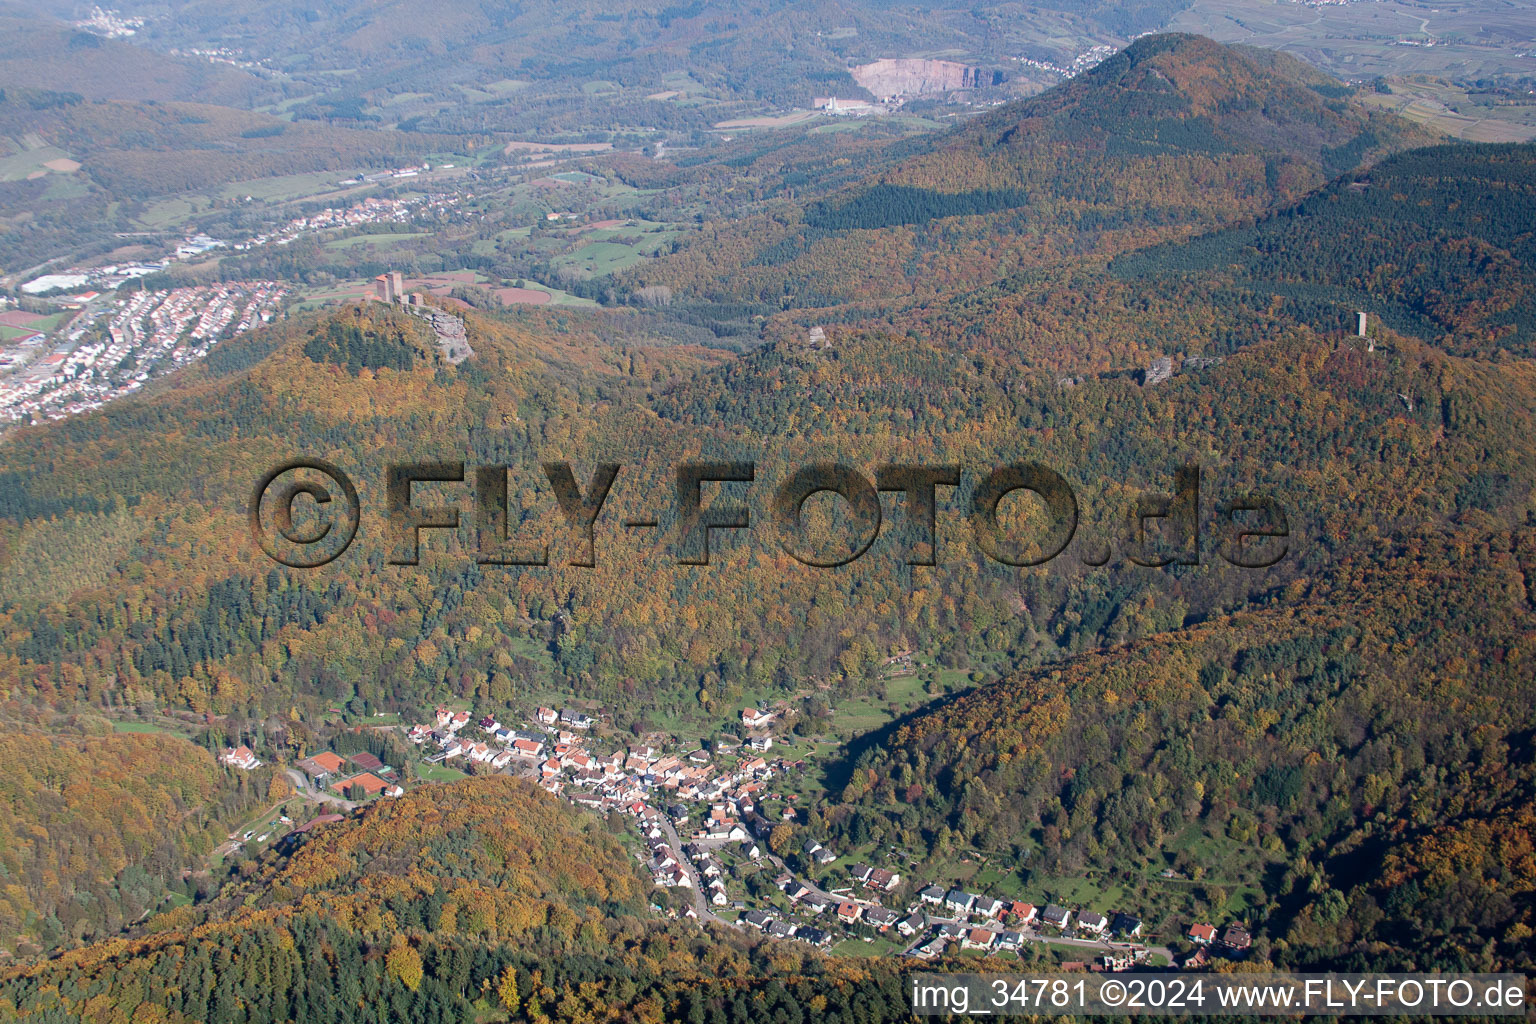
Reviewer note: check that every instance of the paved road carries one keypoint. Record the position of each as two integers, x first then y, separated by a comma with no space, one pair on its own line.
818,889
700,904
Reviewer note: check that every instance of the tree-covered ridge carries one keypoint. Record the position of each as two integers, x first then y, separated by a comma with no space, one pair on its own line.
199,618
1438,242
484,898
1366,736
374,339
1174,135
96,828
538,854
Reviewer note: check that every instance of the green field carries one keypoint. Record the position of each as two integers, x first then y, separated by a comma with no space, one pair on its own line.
18,166
372,240
291,186
438,773
168,213
166,728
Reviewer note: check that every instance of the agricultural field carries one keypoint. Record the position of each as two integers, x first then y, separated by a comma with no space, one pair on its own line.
768,121
21,162
1467,39
381,240
1457,111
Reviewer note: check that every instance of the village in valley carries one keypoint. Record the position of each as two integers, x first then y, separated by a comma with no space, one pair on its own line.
703,834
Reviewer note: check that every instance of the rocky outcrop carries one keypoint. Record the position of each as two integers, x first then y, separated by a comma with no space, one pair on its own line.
893,79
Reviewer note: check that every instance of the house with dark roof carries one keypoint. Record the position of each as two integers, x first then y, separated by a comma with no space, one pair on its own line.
816,902
1125,925
1056,917
986,906
575,719
959,902
1236,938
815,936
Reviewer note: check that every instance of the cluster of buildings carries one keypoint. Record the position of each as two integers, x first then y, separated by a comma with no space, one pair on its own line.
109,276
985,922
1085,61
662,791
714,799
1232,941
143,336
973,911
938,918
109,23
779,927
846,107
372,210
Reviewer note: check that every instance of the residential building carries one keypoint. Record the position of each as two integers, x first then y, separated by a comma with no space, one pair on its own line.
959,902
754,718
1092,923
1235,937
978,938
240,757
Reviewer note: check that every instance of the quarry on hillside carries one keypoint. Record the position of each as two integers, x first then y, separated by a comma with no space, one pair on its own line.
896,78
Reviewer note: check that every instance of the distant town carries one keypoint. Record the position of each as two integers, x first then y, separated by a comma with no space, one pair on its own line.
113,348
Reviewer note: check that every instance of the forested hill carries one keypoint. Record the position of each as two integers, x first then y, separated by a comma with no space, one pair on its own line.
484,899
1174,135
96,827
1363,743
1439,242
37,52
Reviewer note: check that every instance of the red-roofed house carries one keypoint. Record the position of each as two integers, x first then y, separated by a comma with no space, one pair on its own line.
978,938
752,718
240,757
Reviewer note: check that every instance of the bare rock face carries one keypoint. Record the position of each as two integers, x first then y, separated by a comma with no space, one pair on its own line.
894,78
